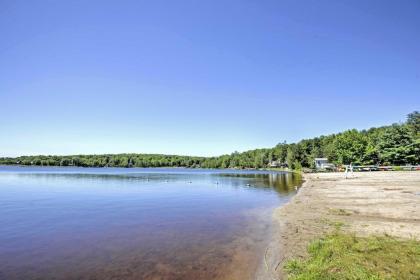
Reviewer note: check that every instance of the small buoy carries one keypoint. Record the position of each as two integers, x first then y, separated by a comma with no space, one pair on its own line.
248,185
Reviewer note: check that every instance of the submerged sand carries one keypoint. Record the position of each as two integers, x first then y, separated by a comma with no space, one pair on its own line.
365,203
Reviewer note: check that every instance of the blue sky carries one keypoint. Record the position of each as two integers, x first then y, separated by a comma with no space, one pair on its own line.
201,77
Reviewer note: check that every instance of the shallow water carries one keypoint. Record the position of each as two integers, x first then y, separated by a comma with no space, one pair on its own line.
112,223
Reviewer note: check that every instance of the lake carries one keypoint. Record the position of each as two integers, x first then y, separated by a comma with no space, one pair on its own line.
136,223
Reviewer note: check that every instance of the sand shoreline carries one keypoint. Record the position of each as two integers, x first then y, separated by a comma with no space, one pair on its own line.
367,203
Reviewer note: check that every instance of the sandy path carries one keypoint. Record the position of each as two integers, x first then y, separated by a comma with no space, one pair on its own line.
368,203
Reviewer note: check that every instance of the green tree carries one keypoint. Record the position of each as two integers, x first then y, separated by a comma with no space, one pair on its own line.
396,146
350,147
290,157
413,123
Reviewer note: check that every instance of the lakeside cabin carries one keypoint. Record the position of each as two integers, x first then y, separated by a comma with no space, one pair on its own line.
277,164
323,164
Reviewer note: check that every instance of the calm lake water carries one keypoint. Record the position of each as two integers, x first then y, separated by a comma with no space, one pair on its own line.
112,223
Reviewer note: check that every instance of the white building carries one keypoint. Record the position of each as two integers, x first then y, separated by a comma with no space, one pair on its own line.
277,163
274,163
322,163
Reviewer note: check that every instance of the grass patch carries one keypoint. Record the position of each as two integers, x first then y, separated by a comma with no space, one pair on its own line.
336,224
339,212
345,256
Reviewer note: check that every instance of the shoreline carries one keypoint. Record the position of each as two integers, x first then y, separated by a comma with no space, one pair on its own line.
270,266
369,203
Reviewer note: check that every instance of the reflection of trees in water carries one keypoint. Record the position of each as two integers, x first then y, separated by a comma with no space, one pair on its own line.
281,182
153,177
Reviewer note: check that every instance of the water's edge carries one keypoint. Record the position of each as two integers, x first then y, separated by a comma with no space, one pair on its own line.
273,258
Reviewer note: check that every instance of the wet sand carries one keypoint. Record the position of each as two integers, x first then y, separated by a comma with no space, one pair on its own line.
367,203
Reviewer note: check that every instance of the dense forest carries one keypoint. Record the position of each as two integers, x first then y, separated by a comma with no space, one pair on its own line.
397,144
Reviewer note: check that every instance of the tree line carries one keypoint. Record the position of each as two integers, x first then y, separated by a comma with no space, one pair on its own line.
396,144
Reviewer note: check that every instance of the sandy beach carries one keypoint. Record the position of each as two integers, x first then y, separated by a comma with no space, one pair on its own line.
365,203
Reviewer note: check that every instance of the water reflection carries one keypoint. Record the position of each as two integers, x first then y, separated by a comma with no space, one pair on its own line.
281,182
136,223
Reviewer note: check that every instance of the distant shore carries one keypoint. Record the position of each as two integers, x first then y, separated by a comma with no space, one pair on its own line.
369,203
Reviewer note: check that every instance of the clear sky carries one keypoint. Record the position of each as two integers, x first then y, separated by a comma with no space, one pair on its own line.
201,77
